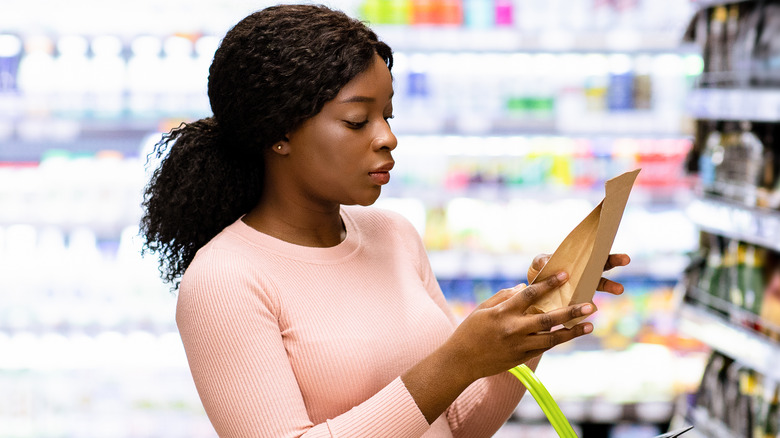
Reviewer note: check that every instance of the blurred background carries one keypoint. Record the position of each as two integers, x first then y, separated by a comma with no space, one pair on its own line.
502,107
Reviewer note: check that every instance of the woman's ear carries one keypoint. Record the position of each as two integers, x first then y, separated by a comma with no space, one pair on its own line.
282,147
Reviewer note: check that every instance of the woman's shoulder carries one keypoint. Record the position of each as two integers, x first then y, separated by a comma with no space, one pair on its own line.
224,253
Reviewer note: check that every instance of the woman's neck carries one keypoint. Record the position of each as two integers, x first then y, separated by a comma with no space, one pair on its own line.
298,225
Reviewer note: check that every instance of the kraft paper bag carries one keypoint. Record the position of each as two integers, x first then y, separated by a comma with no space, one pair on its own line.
583,253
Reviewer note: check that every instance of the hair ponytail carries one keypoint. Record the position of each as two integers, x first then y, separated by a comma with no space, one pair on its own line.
197,191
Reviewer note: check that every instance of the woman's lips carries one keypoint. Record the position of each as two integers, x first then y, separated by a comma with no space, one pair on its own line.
379,178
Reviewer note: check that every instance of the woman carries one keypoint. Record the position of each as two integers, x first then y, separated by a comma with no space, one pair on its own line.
303,315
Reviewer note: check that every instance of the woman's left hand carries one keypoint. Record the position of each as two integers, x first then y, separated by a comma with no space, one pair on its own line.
605,285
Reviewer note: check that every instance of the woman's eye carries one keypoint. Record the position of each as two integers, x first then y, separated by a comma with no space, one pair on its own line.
356,125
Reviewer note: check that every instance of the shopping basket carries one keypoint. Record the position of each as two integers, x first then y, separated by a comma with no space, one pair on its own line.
551,409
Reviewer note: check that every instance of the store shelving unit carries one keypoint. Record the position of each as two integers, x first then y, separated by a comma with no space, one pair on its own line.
738,337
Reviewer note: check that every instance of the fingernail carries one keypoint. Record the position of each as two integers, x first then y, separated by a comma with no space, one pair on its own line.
586,309
587,329
561,276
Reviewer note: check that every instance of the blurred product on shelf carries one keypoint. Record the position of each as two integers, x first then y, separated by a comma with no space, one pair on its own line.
504,165
528,14
740,44
738,281
105,78
735,401
739,162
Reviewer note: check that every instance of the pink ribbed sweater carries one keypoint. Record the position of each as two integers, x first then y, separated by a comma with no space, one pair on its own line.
291,341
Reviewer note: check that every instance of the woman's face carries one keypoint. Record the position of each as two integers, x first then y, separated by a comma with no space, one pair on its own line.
343,154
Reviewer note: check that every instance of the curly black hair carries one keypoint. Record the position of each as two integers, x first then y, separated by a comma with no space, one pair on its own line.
272,71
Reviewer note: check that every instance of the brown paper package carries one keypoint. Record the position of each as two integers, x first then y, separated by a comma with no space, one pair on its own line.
584,252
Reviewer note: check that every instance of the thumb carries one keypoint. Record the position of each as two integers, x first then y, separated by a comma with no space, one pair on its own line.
536,265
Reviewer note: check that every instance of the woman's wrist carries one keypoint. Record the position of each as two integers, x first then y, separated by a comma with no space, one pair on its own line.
437,380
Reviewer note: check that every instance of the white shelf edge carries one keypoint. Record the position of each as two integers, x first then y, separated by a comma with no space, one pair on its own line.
751,225
742,345
751,104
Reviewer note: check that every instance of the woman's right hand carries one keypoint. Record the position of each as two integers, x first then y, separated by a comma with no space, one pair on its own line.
498,335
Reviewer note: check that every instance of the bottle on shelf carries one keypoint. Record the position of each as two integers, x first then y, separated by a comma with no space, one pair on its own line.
753,279
771,423
769,189
713,276
742,50
744,414
734,261
710,159
770,303
766,67
713,47
740,171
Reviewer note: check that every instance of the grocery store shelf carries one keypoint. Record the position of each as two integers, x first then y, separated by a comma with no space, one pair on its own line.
706,426
29,139
461,39
747,347
580,411
713,3
751,104
748,224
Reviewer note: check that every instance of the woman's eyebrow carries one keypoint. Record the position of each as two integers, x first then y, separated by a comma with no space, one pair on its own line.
361,99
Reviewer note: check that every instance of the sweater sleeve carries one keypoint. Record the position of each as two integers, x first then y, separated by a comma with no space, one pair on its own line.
230,331
487,403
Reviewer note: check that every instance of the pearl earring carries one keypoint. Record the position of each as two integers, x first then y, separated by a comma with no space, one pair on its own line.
279,147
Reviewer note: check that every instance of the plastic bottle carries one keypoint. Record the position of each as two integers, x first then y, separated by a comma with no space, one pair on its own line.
709,160
727,175
743,163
